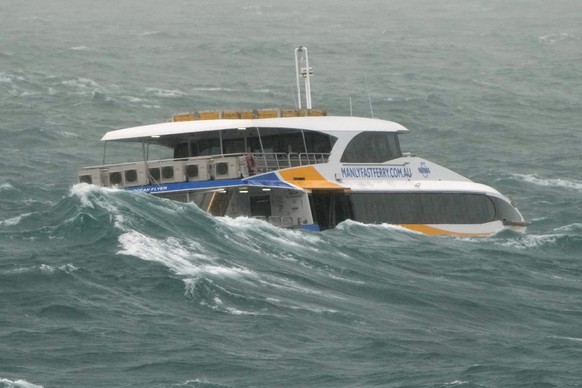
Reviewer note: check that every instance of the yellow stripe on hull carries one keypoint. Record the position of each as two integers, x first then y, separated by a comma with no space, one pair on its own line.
432,231
308,178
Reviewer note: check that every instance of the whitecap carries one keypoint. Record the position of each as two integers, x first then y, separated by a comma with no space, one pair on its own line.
575,339
198,383
84,48
184,259
14,220
232,272
82,83
65,134
165,92
573,184
47,269
10,78
6,186
556,37
219,304
132,99
168,252
150,33
5,383
569,228
213,89
531,241
83,192
342,279
244,223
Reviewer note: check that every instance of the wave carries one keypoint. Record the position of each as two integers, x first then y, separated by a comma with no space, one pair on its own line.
557,37
165,93
85,48
132,99
573,185
576,227
531,241
245,266
81,83
562,241
197,383
14,220
44,269
230,90
5,383
185,258
6,187
155,34
10,78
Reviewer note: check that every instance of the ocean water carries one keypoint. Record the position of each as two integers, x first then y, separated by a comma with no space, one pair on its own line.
105,288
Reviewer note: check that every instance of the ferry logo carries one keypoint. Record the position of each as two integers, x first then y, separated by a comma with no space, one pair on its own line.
424,170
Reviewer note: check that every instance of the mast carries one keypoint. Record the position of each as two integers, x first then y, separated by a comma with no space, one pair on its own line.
302,70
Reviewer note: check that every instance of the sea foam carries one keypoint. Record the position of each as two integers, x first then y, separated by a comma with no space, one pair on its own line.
185,259
574,185
5,383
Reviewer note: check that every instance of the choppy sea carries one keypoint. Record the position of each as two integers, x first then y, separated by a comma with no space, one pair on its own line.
105,288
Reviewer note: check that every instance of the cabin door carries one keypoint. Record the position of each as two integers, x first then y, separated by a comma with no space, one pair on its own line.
330,207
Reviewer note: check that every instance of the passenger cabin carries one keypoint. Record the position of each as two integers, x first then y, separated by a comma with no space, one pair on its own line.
214,148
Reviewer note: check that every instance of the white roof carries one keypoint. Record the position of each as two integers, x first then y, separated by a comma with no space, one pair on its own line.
325,124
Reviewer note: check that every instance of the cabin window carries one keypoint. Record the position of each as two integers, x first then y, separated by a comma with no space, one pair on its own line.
423,208
292,141
504,211
319,142
181,151
372,147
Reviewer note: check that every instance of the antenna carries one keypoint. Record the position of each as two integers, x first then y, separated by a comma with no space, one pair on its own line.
351,110
302,70
369,99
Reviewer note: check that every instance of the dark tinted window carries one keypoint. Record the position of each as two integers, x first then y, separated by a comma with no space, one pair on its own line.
505,211
279,140
181,151
372,147
423,208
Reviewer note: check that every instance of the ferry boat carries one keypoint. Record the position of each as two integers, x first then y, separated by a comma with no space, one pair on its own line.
300,168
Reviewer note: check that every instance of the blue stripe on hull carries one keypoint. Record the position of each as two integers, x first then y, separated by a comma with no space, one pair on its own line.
266,180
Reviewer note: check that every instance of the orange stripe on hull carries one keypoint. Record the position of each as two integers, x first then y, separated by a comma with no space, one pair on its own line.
308,178
432,231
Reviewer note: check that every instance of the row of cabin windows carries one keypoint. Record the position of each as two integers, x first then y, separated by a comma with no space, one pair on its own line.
272,141
410,208
366,147
426,208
